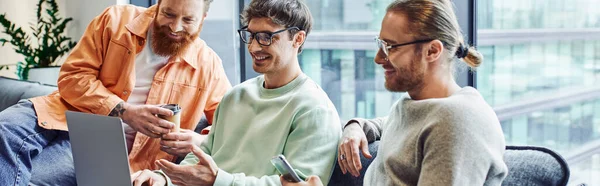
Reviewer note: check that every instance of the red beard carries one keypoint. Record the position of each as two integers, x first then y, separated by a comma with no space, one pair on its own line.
164,45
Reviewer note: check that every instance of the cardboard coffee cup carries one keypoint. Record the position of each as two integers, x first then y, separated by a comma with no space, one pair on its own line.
176,118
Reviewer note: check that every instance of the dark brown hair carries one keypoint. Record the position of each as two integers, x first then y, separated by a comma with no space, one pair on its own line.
287,13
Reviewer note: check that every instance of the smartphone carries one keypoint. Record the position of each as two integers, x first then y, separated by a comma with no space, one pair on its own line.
286,170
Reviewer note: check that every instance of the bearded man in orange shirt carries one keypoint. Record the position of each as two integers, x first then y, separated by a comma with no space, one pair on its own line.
129,60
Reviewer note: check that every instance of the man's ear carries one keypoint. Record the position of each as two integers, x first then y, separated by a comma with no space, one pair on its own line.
434,50
202,23
299,38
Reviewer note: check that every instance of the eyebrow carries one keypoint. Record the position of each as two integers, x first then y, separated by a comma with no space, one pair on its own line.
170,11
167,9
263,31
391,42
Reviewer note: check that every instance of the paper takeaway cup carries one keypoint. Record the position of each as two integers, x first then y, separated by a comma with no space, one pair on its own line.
176,118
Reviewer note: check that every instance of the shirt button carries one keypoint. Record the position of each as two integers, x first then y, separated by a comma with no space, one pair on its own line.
125,92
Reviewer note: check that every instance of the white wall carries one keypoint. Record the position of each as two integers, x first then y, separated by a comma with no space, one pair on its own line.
83,11
22,12
219,32
222,10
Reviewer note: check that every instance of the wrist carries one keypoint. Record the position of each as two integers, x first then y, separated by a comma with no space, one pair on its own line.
119,110
351,124
126,106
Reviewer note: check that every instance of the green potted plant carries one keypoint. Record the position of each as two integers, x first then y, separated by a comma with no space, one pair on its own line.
48,44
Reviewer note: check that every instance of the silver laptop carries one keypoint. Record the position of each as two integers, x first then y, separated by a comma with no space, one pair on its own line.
99,149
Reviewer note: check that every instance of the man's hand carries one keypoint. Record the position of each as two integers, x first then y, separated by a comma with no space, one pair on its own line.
203,173
147,177
144,119
353,138
180,143
310,181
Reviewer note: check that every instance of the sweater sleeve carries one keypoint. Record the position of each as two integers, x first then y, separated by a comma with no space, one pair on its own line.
458,152
311,149
372,127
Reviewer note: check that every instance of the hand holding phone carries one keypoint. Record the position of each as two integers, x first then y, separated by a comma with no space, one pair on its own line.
286,170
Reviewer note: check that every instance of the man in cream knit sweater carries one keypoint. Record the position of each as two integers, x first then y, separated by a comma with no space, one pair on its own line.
438,133
281,112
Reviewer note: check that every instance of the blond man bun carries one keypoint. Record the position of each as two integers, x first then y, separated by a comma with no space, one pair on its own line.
469,55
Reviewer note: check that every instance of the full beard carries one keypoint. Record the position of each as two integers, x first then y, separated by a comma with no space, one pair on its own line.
164,45
407,78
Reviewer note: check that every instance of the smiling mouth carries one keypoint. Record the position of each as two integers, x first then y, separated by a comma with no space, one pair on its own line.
174,35
260,58
389,71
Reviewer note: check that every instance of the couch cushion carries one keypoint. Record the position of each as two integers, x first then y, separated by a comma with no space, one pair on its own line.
13,90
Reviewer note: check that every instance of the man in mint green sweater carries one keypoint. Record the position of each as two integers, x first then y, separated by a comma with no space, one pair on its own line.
281,112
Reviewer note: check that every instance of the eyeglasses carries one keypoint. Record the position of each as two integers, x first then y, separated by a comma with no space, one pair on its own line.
385,47
263,38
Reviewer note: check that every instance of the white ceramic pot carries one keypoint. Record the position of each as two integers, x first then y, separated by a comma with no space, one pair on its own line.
46,75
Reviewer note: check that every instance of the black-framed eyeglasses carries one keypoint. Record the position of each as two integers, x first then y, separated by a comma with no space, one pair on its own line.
263,38
385,47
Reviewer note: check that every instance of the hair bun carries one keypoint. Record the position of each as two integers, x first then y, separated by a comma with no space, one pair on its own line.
462,51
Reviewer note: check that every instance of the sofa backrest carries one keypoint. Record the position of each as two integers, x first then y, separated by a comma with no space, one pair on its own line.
13,90
535,166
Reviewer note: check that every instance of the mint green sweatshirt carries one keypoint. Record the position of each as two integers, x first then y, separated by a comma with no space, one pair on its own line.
253,124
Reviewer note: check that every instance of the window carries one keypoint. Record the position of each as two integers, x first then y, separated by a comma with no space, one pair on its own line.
542,74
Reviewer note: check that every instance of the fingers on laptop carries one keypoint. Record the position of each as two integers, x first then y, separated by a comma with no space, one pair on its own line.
135,175
142,177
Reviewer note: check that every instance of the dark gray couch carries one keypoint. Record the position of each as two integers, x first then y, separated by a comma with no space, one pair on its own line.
12,90
527,165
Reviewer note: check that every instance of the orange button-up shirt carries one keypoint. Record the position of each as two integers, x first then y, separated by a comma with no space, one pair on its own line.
99,73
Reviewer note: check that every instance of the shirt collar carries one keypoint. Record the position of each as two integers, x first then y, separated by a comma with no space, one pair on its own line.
140,24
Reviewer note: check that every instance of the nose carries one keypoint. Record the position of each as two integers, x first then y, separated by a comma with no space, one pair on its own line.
254,46
176,26
380,57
